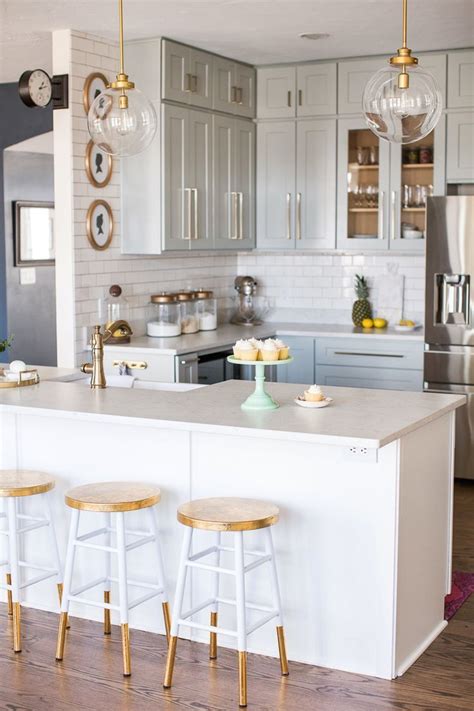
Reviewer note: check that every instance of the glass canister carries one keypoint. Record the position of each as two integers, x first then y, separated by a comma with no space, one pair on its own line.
113,308
164,316
189,312
207,310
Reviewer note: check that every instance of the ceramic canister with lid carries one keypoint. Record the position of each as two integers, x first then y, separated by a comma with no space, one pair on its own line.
207,310
189,312
164,316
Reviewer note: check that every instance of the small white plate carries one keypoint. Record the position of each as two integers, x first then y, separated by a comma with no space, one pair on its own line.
313,405
405,329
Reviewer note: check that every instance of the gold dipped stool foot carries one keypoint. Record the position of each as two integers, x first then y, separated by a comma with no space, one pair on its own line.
282,651
107,622
127,669
213,637
168,680
60,595
167,619
242,679
61,636
9,595
16,627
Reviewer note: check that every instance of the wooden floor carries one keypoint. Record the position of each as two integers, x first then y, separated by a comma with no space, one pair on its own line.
90,677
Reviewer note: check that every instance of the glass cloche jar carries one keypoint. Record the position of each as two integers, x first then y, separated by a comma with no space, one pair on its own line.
115,309
207,310
164,316
189,312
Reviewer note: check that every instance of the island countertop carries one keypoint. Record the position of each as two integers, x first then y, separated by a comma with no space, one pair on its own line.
369,418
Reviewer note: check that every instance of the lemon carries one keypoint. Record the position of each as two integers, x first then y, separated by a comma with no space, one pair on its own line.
367,323
380,323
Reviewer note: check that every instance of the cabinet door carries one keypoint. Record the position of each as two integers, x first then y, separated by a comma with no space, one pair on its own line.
411,184
460,144
353,75
461,79
176,197
302,368
223,93
276,92
199,171
244,182
363,187
276,154
436,64
372,378
200,70
175,82
315,184
225,199
244,82
317,84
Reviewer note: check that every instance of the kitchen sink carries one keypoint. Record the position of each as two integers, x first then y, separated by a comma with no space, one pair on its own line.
118,381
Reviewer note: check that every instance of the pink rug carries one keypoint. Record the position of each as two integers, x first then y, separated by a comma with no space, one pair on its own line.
463,586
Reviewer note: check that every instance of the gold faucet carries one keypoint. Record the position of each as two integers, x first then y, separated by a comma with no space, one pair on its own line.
117,332
96,368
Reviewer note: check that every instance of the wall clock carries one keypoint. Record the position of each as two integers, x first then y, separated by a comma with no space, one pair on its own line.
99,225
98,165
37,89
94,85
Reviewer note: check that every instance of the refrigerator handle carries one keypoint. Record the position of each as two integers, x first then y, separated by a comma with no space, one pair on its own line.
453,302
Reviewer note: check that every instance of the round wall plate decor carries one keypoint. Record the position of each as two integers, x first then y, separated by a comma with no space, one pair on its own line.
99,225
94,85
98,165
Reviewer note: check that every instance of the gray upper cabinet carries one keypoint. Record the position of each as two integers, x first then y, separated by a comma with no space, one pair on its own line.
234,87
276,92
186,75
316,84
460,145
234,183
352,78
461,79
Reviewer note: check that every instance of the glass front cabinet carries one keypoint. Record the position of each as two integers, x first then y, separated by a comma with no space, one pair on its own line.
382,187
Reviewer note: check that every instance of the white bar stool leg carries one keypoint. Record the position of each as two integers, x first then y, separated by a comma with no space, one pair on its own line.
14,571
178,605
123,591
241,616
161,571
277,602
54,543
70,555
215,595
108,573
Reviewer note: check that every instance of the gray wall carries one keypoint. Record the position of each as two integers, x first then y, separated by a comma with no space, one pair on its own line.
17,123
31,309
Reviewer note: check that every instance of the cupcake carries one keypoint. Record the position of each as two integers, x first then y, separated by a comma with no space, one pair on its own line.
269,350
284,350
244,350
313,394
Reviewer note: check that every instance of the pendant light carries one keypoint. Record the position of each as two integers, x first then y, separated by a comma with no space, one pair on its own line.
402,102
121,120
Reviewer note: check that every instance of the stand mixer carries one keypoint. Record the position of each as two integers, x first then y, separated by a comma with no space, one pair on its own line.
247,313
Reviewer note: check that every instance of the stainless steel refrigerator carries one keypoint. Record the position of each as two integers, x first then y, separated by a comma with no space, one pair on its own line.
449,317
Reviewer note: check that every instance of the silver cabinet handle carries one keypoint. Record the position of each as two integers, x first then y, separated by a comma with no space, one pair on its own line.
289,98
194,193
300,97
241,215
370,355
188,194
298,215
382,214
288,215
393,217
233,222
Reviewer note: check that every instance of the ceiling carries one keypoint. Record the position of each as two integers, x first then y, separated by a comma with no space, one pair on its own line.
257,31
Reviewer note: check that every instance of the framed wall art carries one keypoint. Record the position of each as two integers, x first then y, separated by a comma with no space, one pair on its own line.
99,165
99,225
33,233
94,85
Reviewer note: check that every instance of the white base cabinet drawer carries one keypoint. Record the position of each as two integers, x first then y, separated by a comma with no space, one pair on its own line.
374,378
364,352
148,366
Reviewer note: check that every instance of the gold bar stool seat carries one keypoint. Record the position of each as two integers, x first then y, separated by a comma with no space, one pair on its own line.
16,484
113,499
236,516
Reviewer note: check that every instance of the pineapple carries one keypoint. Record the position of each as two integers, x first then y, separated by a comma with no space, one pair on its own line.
361,308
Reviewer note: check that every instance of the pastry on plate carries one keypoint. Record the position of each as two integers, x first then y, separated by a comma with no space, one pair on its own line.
244,350
313,394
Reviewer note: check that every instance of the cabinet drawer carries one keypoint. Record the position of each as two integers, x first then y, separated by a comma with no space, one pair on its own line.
364,352
373,378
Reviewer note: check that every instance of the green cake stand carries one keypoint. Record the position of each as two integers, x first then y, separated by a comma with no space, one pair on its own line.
259,399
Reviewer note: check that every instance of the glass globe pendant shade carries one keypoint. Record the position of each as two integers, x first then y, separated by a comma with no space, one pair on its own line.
122,131
401,115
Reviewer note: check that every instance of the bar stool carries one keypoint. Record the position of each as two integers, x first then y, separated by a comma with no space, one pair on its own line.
234,515
16,484
113,498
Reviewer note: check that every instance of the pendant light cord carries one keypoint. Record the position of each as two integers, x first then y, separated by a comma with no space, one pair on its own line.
121,35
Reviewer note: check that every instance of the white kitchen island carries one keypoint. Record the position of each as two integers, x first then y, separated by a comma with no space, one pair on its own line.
364,487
